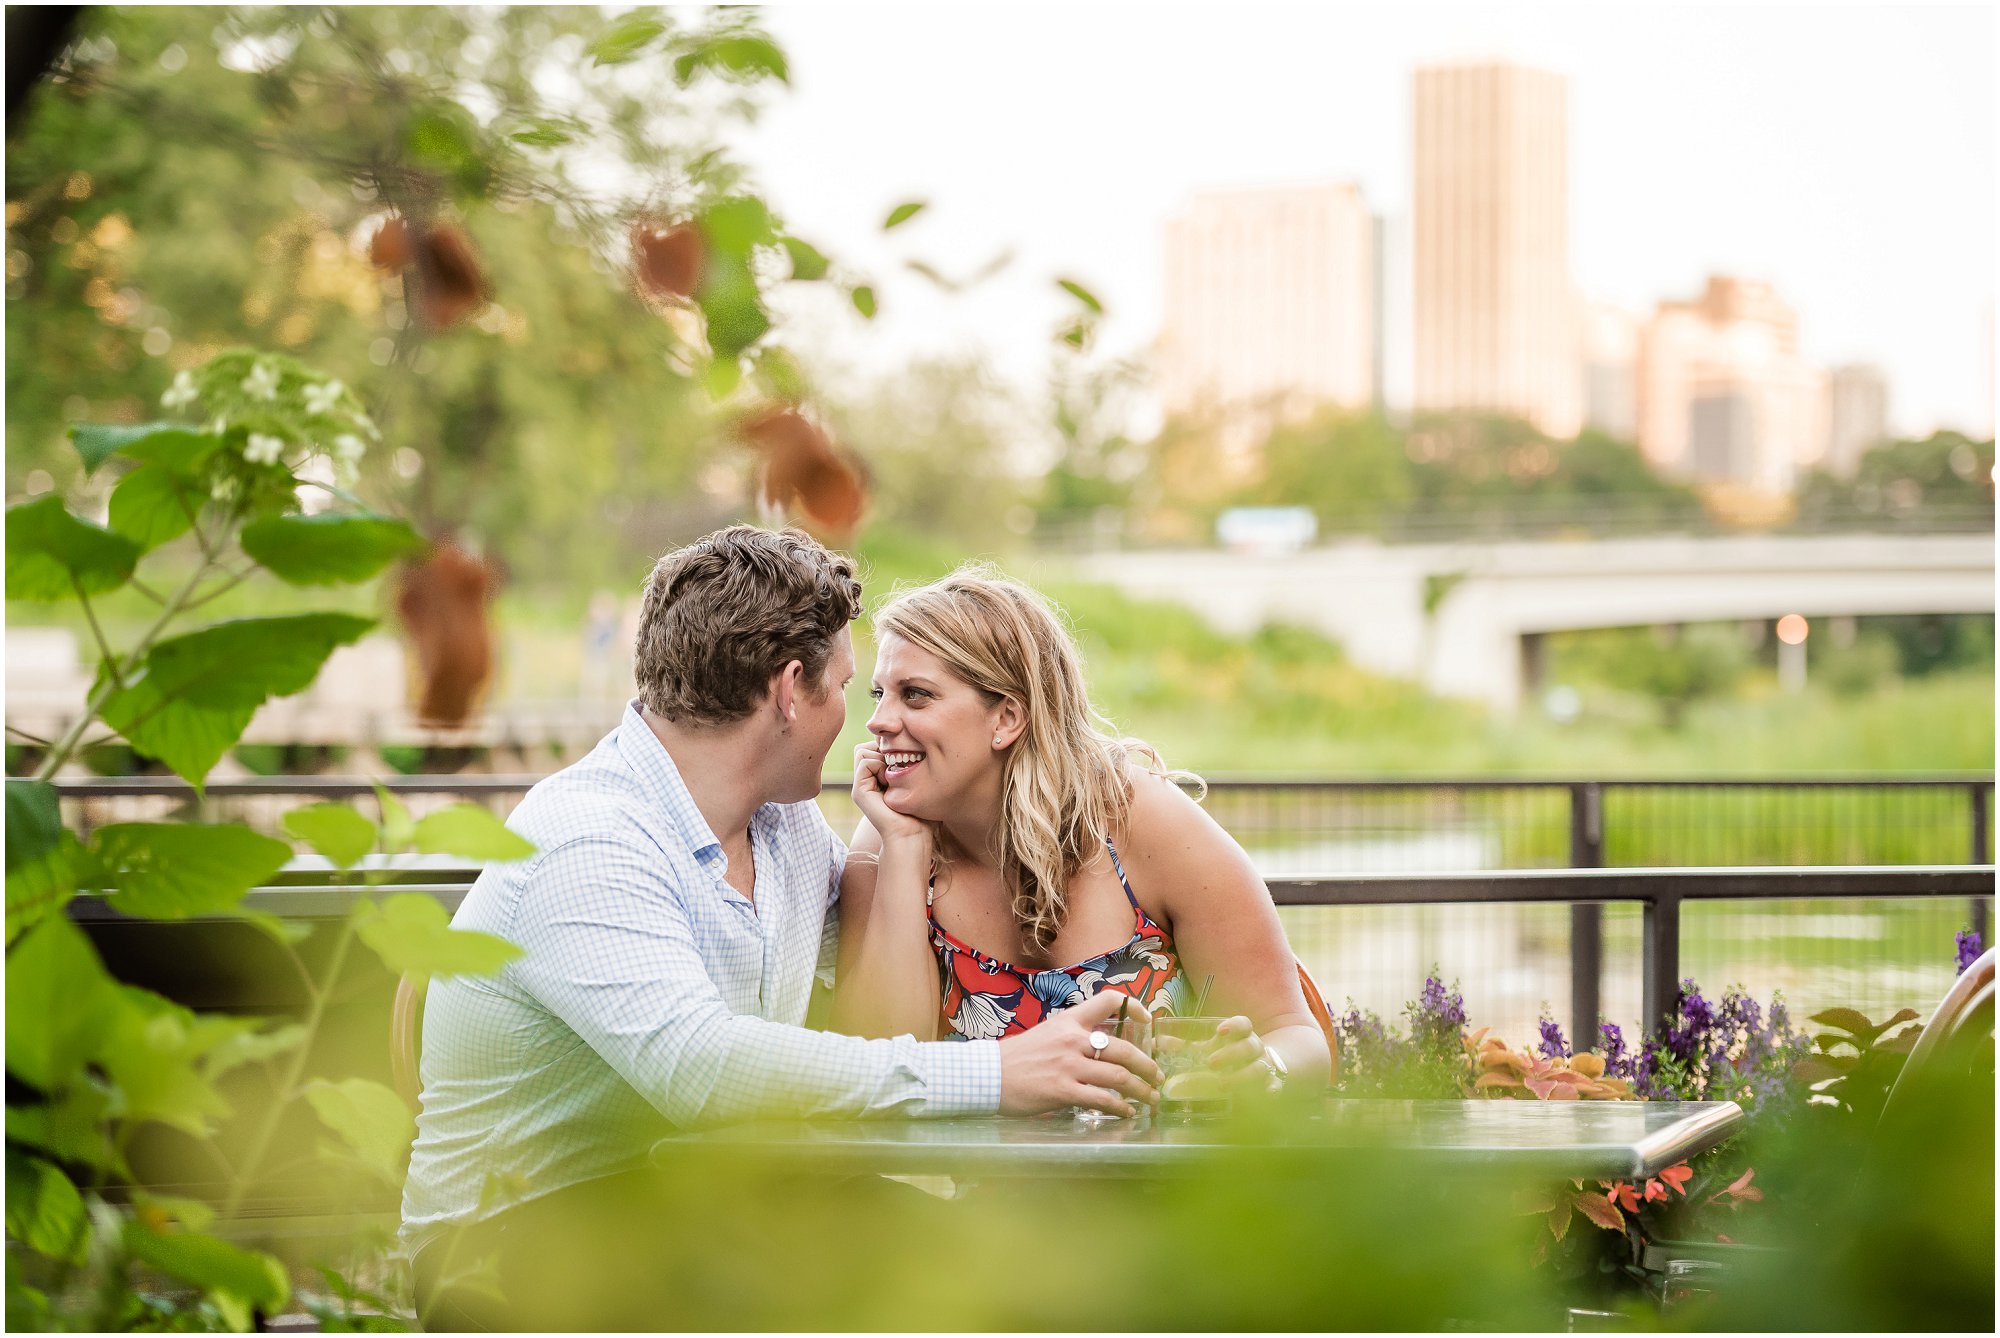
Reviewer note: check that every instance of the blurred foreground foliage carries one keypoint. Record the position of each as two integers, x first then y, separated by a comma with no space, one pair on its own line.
195,177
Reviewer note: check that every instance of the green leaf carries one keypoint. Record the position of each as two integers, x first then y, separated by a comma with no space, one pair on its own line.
370,1119
74,1127
1847,1020
98,442
397,828
174,870
286,933
751,55
1821,1067
60,1004
45,1211
807,262
623,40
436,138
413,936
863,298
722,377
188,737
542,135
735,225
152,1054
177,450
780,373
190,1213
44,884
328,549
231,1042
51,554
152,505
903,213
34,821
191,698
731,305
337,831
470,831
1081,294
256,1279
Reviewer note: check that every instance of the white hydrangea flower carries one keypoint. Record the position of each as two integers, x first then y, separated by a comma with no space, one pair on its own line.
262,383
224,489
181,393
263,450
323,398
348,448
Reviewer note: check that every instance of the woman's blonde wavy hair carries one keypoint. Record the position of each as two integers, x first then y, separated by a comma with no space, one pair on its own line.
1064,790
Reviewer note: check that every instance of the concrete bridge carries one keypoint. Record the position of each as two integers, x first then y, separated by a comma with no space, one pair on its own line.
1465,619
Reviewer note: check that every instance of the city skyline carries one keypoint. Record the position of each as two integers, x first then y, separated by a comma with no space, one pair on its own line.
1859,182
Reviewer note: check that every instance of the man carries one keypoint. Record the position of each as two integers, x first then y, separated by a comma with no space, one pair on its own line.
672,918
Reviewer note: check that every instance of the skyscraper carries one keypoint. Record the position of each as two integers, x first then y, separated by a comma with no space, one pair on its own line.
1724,394
1270,307
1857,415
1494,317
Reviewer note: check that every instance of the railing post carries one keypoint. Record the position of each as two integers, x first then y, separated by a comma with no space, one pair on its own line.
1982,818
1661,932
1586,919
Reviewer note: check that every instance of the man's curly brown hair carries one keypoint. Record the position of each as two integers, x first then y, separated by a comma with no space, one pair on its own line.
725,613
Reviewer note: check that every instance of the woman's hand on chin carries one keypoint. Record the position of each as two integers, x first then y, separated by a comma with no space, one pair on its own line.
872,798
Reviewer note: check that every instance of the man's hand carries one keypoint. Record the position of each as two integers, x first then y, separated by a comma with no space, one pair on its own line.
1052,1064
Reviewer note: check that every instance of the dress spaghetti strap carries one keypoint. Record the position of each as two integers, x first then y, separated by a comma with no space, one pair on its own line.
1123,882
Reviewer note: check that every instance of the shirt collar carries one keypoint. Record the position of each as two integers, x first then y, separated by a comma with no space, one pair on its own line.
654,766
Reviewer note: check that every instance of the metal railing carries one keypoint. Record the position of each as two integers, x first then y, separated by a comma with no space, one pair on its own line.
1469,830
1661,895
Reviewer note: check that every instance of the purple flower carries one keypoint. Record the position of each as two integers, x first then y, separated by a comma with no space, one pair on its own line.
1446,1008
1612,1042
1553,1045
1969,949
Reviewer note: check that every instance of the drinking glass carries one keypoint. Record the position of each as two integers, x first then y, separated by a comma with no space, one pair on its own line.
1181,1047
1128,1029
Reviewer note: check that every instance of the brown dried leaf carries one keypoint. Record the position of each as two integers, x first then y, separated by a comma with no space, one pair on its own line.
669,260
389,248
450,284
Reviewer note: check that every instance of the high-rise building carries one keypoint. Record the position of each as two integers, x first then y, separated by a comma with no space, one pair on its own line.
1392,316
1609,337
1494,317
1857,415
1723,393
1270,307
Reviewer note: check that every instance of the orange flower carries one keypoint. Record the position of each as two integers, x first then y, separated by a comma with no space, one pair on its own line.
1742,1191
1655,1191
1622,1195
1678,1177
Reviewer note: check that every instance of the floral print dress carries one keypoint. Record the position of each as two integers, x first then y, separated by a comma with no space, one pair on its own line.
985,998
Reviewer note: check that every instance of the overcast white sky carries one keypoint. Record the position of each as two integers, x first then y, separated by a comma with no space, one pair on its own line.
1845,153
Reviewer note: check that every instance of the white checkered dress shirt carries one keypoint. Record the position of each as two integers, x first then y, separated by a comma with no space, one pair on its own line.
652,996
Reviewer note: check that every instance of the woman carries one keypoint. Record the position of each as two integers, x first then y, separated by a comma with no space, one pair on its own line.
1014,859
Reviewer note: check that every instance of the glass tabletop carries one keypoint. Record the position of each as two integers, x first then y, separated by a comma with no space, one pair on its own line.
1600,1139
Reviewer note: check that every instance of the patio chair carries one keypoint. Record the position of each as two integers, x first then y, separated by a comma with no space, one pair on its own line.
1964,1015
1316,1004
406,1035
